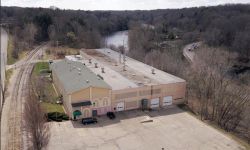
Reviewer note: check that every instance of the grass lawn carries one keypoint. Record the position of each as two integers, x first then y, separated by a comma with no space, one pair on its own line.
48,107
48,103
40,66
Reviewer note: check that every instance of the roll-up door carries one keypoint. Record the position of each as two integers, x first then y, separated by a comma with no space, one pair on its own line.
168,100
155,102
120,106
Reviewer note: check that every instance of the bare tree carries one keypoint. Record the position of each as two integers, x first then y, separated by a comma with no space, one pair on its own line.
35,123
217,94
52,34
30,31
3,92
40,86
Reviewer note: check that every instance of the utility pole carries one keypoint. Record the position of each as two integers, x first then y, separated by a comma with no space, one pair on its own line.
124,57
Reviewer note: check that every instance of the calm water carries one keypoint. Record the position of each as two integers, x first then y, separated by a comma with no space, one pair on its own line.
118,39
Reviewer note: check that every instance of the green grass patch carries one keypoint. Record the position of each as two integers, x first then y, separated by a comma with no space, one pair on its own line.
40,66
8,75
48,107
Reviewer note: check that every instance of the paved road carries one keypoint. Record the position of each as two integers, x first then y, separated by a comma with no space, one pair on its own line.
13,136
3,56
188,51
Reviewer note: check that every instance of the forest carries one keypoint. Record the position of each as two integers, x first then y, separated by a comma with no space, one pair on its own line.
226,25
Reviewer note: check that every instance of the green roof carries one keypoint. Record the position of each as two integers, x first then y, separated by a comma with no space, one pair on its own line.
75,76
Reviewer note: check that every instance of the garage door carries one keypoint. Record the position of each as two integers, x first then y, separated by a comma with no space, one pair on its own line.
155,102
168,100
120,106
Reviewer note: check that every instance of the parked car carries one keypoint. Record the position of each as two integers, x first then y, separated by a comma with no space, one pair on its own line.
90,120
110,115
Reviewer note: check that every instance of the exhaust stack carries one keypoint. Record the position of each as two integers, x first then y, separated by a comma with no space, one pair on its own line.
96,65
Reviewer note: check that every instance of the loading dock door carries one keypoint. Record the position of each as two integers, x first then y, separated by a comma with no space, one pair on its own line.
155,103
120,106
168,100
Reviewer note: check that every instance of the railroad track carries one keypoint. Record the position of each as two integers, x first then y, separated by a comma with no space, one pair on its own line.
18,95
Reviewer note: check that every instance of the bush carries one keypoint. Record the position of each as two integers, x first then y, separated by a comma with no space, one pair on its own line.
56,116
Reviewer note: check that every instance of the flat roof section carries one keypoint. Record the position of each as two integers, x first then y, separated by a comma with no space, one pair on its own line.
130,74
110,76
160,76
136,72
75,76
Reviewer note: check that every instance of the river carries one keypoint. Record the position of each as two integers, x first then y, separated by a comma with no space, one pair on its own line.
117,39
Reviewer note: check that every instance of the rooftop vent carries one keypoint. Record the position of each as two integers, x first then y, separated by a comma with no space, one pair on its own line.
153,71
87,81
90,61
124,68
96,65
103,70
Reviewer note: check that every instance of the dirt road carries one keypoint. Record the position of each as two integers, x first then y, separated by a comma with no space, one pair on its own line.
13,135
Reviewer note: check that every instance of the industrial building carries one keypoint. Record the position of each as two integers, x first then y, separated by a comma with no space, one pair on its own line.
102,80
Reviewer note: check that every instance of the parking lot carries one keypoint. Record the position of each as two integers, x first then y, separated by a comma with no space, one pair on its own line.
171,129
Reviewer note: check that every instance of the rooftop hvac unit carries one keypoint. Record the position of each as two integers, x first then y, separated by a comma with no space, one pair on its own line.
153,71
96,65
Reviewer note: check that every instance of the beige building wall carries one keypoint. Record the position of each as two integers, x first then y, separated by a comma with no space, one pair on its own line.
81,95
101,97
132,97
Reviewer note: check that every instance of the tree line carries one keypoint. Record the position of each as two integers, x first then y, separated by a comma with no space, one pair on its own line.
212,94
226,25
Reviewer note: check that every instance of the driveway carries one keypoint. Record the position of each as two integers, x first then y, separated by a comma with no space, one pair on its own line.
171,129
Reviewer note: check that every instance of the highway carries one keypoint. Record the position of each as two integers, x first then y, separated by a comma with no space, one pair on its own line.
188,51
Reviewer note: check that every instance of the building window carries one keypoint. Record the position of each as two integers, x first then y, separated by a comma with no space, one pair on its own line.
105,101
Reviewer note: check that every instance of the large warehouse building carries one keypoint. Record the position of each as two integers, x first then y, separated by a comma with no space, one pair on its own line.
103,80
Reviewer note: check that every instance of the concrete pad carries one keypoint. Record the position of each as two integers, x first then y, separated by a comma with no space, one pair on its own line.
171,129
